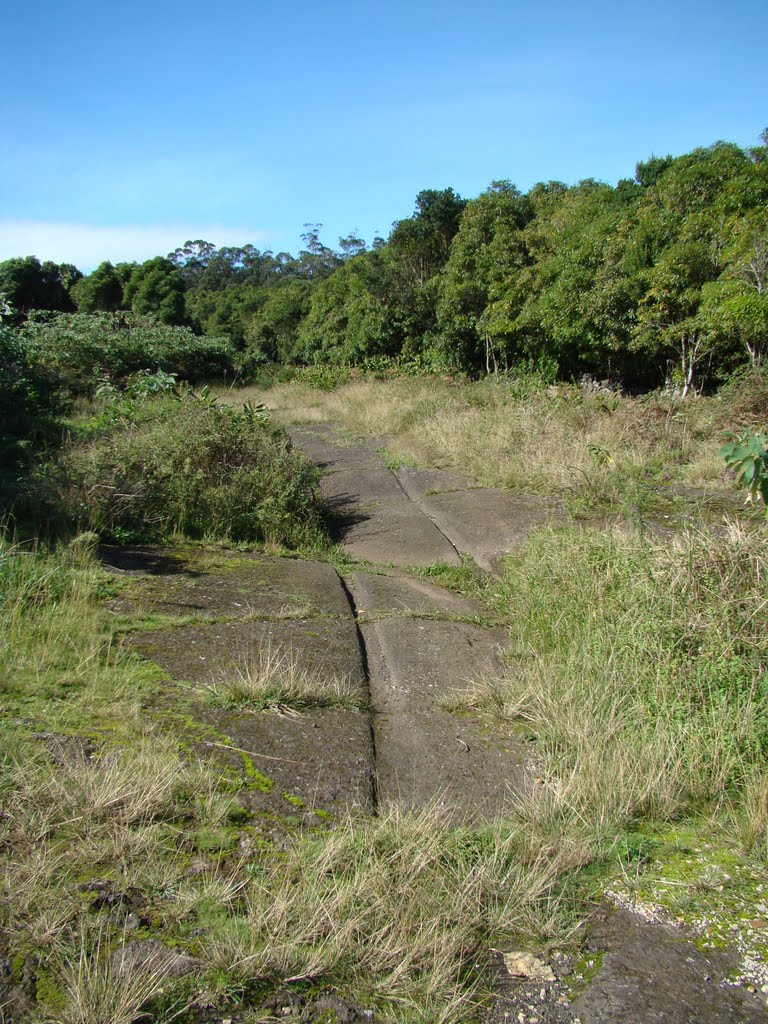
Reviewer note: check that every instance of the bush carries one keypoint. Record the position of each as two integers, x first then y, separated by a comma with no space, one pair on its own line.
82,347
189,467
24,409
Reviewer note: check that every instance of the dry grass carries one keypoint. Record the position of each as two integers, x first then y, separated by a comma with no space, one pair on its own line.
753,820
402,907
275,679
104,989
552,442
639,665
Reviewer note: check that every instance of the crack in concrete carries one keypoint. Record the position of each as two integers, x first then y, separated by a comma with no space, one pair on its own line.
375,805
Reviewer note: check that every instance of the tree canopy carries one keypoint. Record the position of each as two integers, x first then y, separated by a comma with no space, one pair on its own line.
659,278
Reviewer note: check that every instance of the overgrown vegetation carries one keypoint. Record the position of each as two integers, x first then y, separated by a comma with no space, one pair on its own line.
640,666
179,467
105,811
598,450
97,441
79,349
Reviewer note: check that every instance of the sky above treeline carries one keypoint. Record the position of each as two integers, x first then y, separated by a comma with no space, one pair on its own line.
128,128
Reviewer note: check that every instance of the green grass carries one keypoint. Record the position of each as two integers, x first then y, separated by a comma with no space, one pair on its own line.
275,680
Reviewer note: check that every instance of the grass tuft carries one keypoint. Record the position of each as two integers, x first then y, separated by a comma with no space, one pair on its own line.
104,989
274,679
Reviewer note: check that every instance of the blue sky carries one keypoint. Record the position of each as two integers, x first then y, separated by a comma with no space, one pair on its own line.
128,128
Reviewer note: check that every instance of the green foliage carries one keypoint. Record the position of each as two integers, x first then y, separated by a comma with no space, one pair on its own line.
270,335
189,467
80,348
26,404
27,284
101,291
660,281
156,288
747,458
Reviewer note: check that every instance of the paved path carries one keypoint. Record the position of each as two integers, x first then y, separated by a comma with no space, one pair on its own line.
406,646
416,516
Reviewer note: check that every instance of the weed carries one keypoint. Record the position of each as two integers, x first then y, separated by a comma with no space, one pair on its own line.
186,468
275,680
103,989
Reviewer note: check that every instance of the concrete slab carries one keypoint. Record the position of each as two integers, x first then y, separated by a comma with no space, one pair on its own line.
439,759
376,520
377,595
482,522
323,445
427,755
422,482
203,653
321,759
226,585
424,662
395,535
362,487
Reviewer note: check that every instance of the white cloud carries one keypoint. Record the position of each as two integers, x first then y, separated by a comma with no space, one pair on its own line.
87,245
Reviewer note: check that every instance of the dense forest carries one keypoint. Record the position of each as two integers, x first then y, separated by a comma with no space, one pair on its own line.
660,280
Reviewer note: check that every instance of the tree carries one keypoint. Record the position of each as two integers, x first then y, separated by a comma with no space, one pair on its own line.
648,172
316,261
352,314
486,257
735,307
191,259
27,284
101,291
157,287
669,321
422,242
271,334
558,297
351,246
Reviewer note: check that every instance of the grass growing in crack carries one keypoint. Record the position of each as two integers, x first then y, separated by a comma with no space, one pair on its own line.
466,579
274,679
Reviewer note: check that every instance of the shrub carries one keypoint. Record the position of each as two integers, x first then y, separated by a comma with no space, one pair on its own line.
188,467
82,347
24,410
